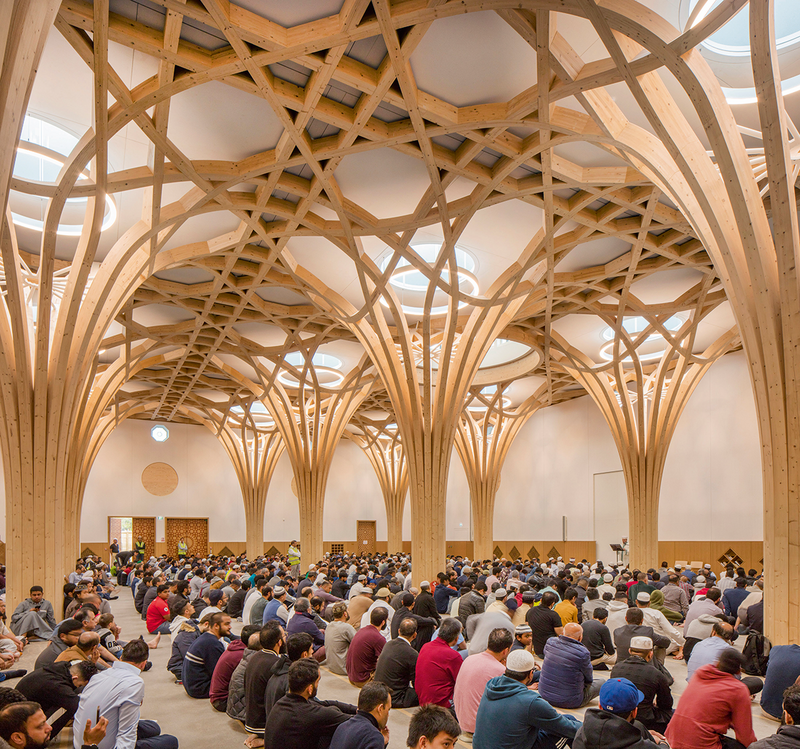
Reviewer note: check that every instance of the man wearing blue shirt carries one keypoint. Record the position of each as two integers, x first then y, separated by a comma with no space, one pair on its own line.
117,694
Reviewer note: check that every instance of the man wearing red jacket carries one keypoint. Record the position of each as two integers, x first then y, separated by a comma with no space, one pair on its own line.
438,666
714,701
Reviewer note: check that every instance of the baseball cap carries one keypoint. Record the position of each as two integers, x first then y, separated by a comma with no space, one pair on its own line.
521,661
643,596
608,577
618,695
641,643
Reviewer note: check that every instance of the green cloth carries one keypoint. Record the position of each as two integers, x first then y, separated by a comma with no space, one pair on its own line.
657,603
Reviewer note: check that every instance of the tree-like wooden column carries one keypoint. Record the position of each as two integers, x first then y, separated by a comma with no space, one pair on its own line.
642,391
254,449
311,418
486,430
381,443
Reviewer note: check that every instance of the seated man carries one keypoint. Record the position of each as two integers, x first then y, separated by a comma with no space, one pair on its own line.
544,622
226,665
116,694
397,665
158,612
476,673
635,627
655,707
203,654
298,720
366,646
615,724
367,728
10,644
438,666
237,705
432,727
86,649
714,701
783,670
64,635
511,715
788,735
34,616
567,678
597,639
708,651
57,687
303,621
338,636
299,645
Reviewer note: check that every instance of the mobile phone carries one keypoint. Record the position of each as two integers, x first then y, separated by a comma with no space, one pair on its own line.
97,717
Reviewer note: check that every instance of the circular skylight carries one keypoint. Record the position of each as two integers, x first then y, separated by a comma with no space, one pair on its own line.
411,285
652,348
326,370
727,50
41,154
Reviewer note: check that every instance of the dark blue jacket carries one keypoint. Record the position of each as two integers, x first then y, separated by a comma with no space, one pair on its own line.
567,668
442,596
360,732
302,621
511,716
732,598
782,670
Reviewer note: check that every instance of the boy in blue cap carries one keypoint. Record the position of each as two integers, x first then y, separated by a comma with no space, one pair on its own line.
614,724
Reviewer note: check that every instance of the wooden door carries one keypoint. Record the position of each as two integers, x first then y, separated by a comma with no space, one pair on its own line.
194,530
366,536
146,528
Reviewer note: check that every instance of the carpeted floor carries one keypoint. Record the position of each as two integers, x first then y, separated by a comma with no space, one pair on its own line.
198,725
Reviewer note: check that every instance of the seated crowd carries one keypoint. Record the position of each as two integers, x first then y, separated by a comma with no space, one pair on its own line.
496,653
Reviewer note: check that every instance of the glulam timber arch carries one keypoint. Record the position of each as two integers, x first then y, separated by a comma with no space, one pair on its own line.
671,203
381,443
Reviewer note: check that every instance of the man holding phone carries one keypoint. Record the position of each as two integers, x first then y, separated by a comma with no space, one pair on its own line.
34,616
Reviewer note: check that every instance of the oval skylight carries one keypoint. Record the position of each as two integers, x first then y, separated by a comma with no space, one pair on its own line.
41,154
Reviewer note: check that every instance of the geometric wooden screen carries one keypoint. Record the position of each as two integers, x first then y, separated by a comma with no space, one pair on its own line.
498,552
337,548
272,551
553,553
731,557
366,536
146,528
533,553
193,530
514,553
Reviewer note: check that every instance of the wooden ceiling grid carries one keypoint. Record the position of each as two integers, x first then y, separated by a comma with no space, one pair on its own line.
71,377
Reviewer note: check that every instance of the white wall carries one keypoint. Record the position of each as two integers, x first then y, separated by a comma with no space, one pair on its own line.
207,485
711,488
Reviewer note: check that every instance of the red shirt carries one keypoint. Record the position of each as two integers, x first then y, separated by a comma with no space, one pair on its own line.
437,667
712,702
157,614
362,655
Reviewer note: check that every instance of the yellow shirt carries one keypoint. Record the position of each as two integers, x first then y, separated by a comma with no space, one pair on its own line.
568,612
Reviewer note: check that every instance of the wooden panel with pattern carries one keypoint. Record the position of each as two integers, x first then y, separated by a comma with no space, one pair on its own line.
146,528
366,536
194,530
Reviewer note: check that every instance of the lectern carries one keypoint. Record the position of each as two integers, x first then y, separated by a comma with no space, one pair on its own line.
618,550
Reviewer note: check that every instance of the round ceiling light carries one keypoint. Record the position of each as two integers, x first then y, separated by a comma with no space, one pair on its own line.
159,433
